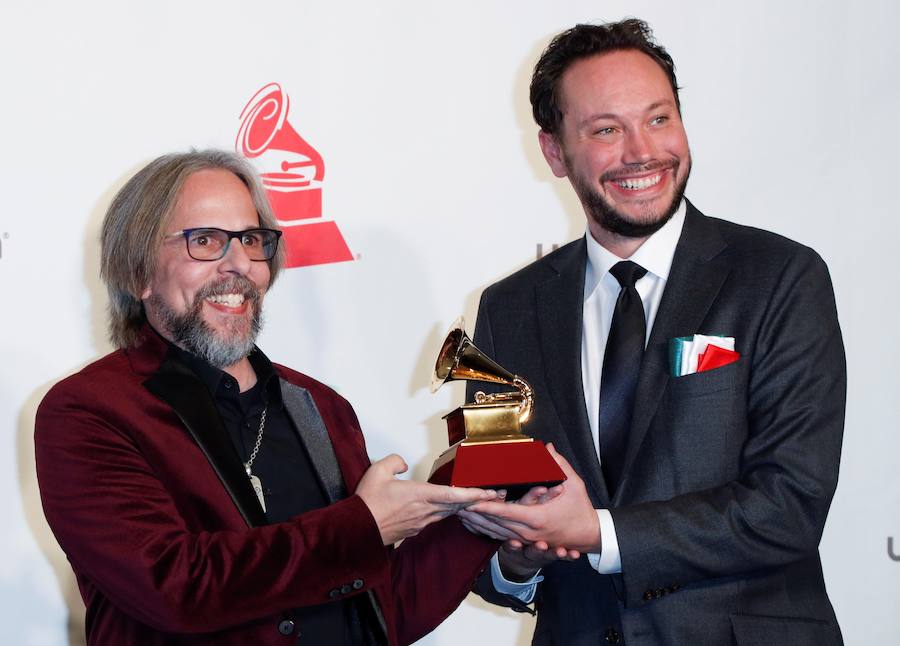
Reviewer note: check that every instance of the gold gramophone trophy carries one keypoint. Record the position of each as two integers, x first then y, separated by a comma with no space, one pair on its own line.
487,446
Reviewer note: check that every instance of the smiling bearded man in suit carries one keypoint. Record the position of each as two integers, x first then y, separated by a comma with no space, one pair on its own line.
689,372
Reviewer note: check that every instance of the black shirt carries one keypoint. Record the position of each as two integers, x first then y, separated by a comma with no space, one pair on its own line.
289,482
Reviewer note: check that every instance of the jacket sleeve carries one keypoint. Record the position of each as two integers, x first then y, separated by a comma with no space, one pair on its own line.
774,512
484,340
124,532
432,574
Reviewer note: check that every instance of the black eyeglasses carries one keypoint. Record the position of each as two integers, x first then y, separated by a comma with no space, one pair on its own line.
210,243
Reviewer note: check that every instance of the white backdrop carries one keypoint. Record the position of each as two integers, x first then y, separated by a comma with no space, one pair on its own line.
434,177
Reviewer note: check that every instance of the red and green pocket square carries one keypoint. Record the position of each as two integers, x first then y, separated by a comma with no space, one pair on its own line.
699,353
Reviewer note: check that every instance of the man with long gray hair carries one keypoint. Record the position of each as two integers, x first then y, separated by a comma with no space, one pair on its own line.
205,495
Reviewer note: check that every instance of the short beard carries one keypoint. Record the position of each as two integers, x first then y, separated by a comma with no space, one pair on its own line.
190,332
609,219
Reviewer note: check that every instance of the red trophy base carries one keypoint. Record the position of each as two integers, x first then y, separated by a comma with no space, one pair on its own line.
516,466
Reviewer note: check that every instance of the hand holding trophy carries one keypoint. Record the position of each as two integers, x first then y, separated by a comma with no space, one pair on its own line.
487,446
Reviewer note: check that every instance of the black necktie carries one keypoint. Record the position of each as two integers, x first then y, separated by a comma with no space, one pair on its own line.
621,365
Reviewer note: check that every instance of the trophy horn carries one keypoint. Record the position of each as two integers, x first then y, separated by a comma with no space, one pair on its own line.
460,359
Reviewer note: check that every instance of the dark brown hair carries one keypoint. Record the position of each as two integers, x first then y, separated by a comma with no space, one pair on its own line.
584,41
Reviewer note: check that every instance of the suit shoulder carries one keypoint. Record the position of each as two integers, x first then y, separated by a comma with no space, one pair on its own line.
767,260
99,391
540,270
112,371
760,243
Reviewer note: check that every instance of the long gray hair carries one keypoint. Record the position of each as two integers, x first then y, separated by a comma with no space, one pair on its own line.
136,222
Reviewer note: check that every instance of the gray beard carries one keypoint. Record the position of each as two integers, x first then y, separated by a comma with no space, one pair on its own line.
609,219
191,332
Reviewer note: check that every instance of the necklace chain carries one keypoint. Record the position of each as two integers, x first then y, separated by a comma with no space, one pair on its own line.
262,425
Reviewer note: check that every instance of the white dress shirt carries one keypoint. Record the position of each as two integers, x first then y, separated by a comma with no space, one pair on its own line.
601,290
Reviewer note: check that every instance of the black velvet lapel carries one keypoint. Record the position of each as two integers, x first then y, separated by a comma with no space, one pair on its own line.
175,384
560,301
698,271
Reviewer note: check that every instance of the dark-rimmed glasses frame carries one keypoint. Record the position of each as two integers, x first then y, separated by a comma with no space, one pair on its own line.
212,243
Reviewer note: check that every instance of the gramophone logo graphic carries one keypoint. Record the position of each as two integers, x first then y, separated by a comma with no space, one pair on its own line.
292,172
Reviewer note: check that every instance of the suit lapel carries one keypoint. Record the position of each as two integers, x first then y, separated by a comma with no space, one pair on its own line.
698,271
310,427
302,409
560,301
176,385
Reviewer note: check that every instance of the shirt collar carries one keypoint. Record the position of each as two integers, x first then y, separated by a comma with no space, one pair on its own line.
655,255
219,382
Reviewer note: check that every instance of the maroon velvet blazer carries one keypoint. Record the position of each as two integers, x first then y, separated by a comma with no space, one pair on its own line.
150,503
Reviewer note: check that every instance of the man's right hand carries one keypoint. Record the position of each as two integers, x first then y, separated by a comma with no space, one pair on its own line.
566,519
403,508
520,562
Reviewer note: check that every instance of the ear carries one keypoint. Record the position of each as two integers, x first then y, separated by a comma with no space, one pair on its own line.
146,293
553,153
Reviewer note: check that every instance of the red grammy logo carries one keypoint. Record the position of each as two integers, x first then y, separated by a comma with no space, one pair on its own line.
292,173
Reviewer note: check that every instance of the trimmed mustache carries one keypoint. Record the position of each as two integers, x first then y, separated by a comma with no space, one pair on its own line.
230,285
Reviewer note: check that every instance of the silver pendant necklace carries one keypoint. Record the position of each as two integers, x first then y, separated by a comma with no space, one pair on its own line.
254,480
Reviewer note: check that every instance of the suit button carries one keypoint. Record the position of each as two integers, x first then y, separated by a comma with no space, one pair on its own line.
648,595
357,584
286,627
334,594
345,589
612,636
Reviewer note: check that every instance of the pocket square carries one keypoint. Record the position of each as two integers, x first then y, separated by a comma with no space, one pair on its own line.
716,357
700,352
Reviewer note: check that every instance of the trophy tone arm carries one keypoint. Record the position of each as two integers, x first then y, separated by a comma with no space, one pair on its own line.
524,396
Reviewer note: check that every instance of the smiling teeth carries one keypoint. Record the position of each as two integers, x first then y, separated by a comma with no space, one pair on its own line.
637,184
229,300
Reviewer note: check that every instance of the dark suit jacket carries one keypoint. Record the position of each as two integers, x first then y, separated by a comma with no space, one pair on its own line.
148,498
729,474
